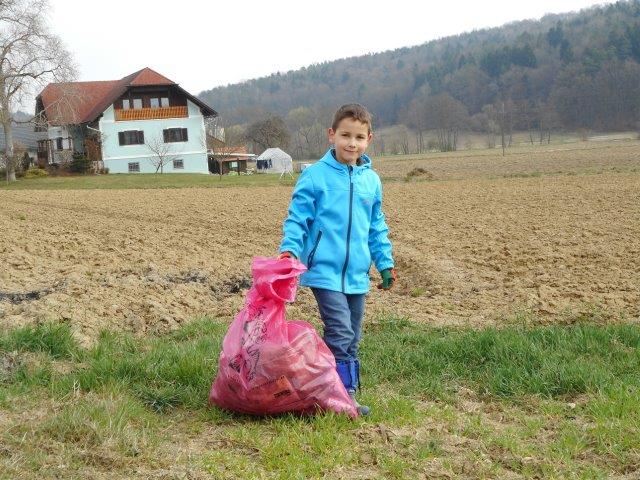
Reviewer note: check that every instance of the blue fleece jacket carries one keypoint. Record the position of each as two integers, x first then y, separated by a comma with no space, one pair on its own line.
336,227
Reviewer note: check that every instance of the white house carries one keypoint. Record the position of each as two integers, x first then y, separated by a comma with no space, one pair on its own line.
129,124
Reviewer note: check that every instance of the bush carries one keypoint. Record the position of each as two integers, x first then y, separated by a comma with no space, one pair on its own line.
79,164
26,162
35,172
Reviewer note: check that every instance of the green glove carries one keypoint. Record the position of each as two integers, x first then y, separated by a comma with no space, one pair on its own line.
389,277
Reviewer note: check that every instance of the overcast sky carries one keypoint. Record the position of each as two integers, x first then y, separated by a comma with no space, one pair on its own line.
201,44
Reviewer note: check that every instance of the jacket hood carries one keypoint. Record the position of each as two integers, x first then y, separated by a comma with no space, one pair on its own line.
329,159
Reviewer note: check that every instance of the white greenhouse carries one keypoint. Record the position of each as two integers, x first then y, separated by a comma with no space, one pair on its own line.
274,160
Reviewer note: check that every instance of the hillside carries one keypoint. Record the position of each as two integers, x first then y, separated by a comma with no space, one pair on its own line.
564,71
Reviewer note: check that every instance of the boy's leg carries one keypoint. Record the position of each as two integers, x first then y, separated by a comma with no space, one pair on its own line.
338,333
356,307
336,316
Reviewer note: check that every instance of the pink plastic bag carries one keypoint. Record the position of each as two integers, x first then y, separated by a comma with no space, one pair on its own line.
269,365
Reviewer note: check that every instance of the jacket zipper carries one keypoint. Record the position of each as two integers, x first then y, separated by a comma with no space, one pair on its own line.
313,251
346,260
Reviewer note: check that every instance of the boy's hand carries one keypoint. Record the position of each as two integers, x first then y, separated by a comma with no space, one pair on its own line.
287,255
389,278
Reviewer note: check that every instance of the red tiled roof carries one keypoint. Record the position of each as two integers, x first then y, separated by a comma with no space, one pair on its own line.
231,153
240,149
82,102
146,76
69,103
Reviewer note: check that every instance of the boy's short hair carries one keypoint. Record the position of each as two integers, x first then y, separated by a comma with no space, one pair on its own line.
354,111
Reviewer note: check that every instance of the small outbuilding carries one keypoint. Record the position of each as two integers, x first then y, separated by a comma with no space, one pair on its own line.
227,159
274,160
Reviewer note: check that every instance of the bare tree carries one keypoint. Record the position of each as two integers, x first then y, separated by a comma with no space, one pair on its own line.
271,132
15,161
234,135
163,153
324,117
30,57
416,117
447,116
301,121
380,145
486,121
403,139
548,121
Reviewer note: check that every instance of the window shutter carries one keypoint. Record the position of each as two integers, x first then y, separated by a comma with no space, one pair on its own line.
140,137
165,135
121,138
185,135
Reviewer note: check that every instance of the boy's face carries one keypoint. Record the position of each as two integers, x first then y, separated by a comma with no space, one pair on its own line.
351,139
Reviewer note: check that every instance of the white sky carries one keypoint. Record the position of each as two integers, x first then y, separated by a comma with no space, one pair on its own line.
201,44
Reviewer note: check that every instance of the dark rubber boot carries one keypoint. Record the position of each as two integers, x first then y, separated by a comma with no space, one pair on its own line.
362,409
355,375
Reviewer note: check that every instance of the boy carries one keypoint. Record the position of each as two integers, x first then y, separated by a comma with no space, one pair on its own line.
336,227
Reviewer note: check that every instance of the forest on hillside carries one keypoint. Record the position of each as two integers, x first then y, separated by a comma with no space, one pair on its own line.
564,72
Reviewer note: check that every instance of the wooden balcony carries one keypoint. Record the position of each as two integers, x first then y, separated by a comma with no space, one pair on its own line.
151,113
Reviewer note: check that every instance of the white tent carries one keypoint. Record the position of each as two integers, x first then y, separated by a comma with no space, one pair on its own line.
274,160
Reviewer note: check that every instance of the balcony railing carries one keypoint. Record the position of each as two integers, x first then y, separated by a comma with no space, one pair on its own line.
151,113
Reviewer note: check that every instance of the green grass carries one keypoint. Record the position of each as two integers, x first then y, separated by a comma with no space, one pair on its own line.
52,338
174,370
145,181
112,421
417,292
540,401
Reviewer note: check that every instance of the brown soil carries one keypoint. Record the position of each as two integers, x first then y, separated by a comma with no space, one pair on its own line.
473,251
592,157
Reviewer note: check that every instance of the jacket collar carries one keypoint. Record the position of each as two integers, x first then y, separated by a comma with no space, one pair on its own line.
329,159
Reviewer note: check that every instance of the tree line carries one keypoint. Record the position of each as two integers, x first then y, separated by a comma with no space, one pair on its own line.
576,71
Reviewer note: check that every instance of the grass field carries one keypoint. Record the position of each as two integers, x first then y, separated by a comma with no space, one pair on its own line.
145,180
543,402
521,161
510,349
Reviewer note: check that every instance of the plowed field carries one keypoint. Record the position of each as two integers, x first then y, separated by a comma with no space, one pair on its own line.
476,245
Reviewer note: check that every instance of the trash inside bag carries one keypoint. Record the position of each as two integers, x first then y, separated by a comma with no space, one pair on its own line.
269,365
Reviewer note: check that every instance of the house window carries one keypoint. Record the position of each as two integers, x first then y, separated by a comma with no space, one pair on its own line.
233,164
155,102
137,103
164,102
134,167
178,164
131,137
126,104
175,135
59,145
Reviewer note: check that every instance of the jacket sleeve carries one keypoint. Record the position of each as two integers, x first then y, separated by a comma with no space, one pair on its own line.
302,211
379,244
